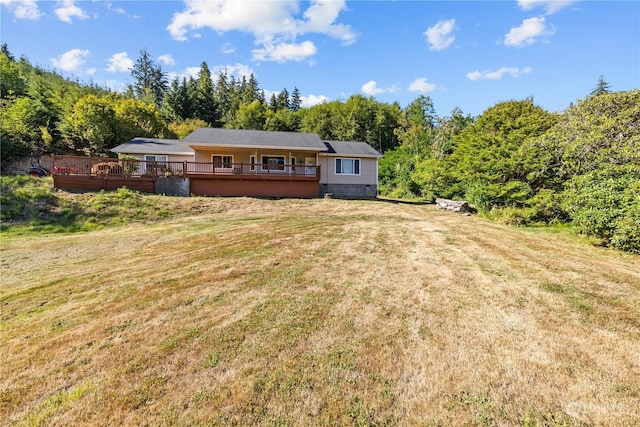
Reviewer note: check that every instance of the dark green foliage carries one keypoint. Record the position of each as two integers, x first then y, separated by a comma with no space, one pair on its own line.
600,141
178,103
206,108
296,100
601,87
150,82
394,174
605,204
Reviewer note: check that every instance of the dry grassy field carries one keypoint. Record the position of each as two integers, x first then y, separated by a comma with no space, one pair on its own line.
318,312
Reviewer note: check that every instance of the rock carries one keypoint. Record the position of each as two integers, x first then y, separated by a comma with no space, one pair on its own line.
453,205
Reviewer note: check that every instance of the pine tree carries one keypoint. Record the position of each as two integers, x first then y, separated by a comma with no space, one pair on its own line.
273,103
283,99
296,101
206,107
150,81
601,87
178,103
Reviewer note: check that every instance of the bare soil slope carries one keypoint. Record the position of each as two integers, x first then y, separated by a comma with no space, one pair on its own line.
318,312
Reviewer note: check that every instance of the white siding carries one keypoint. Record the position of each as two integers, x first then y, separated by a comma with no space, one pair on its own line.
368,171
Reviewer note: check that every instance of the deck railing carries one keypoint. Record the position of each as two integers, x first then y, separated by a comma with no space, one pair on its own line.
105,166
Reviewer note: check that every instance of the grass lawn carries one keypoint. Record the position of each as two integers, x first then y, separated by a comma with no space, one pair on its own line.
317,312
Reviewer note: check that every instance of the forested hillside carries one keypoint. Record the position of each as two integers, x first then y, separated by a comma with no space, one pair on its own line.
515,162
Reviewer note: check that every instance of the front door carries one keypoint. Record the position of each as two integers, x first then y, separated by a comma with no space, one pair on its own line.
309,163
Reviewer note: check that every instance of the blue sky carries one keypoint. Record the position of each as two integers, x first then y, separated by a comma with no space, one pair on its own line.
465,54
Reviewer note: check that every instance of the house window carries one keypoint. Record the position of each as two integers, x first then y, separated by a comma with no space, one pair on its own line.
273,163
252,160
222,163
348,166
160,160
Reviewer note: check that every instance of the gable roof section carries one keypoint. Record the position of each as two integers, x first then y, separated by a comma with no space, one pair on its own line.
349,149
154,146
240,138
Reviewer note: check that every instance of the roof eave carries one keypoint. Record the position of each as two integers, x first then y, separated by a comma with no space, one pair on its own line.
254,147
368,156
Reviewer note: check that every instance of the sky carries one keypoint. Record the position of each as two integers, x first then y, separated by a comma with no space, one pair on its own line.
465,54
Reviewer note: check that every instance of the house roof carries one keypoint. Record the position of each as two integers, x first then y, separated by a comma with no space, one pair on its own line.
350,149
235,138
154,146
240,138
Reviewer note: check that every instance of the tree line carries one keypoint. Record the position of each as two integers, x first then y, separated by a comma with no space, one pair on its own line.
41,111
522,165
515,162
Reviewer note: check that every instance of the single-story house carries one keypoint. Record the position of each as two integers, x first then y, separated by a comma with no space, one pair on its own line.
231,162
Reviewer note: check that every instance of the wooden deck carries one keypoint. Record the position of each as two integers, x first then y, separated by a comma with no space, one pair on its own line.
206,179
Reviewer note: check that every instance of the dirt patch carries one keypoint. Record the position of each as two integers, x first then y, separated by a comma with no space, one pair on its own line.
21,166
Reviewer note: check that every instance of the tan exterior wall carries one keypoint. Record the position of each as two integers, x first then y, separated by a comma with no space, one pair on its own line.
368,171
244,156
170,157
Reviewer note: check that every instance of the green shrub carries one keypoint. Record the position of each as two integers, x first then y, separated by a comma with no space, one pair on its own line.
627,231
604,205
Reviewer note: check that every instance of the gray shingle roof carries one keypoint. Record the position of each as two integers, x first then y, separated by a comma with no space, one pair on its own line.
154,146
254,139
350,148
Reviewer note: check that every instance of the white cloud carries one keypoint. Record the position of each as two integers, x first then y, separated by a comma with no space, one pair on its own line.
514,72
285,52
527,32
311,100
238,70
91,71
67,10
119,62
440,35
70,60
116,9
371,88
321,16
274,24
23,9
550,6
191,72
166,59
421,85
115,85
187,73
228,48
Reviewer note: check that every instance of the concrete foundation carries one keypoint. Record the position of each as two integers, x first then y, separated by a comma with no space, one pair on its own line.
173,186
350,191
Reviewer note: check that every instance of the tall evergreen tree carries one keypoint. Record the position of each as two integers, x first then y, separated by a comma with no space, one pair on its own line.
178,103
601,87
296,100
222,95
273,103
250,91
150,81
207,109
283,99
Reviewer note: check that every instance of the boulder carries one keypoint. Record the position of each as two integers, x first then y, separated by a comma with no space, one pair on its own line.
453,205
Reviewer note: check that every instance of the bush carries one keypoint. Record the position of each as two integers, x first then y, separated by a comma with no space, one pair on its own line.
604,205
627,231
